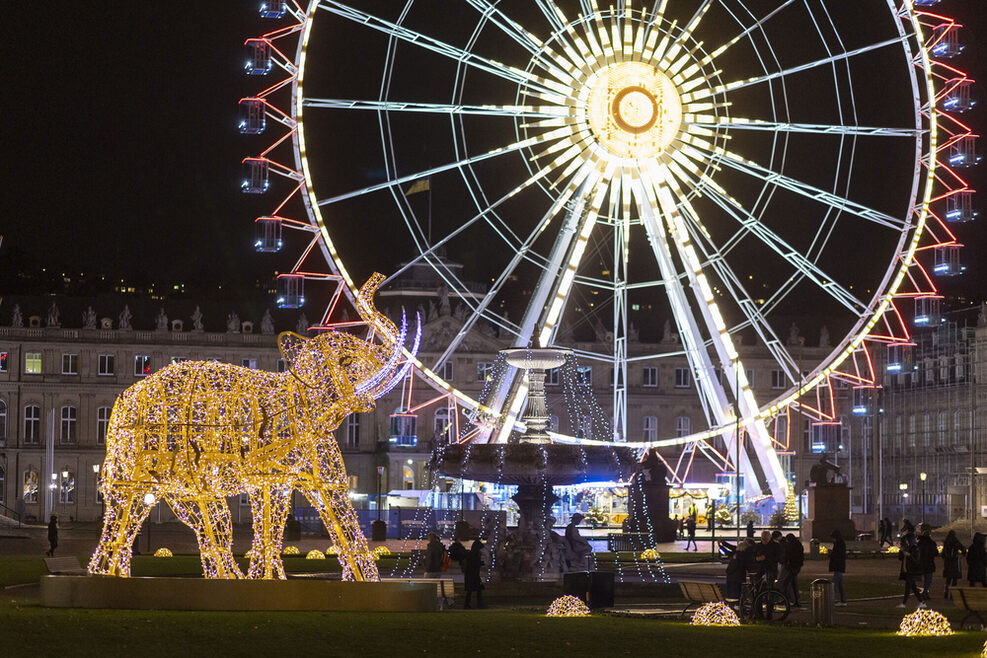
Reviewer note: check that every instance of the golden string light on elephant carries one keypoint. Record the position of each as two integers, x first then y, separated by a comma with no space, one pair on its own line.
196,433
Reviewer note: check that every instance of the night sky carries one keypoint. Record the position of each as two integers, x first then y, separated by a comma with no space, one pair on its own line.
121,152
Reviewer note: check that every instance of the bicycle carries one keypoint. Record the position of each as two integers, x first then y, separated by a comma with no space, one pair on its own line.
761,602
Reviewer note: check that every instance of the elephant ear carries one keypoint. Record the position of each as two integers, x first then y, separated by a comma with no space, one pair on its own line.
297,355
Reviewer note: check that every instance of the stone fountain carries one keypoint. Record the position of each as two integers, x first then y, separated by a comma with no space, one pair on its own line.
535,464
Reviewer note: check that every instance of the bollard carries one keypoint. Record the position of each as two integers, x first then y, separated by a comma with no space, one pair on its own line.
823,602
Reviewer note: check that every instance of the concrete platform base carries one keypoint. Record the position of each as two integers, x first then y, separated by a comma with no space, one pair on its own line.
202,594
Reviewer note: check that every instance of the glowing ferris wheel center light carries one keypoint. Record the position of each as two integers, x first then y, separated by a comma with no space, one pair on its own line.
634,110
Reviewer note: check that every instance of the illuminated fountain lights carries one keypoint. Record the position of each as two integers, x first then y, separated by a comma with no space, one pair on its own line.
315,554
715,614
924,623
196,433
291,550
163,552
568,606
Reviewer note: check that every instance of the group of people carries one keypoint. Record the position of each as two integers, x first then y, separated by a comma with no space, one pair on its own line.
777,560
438,559
918,552
687,527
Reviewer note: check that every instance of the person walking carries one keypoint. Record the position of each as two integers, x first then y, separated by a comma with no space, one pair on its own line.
435,554
837,565
928,549
690,527
952,549
794,559
52,536
750,528
911,568
976,562
471,573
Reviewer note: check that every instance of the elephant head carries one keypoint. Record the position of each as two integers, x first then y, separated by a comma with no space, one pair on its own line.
350,366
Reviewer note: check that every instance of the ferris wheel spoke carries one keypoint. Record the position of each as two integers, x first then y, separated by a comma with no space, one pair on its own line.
668,57
751,225
702,150
715,258
561,133
701,94
717,52
516,111
667,189
540,52
548,300
712,395
736,123
521,247
537,86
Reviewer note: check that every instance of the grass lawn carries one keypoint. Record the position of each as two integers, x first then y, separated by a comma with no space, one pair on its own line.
30,630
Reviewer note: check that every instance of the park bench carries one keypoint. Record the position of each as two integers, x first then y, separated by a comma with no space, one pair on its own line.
628,541
973,600
445,588
66,566
698,593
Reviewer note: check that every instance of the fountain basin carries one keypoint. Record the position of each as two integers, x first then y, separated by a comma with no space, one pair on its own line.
527,463
541,358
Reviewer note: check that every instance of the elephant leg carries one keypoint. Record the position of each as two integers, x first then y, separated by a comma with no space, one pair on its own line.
125,513
341,521
213,527
269,508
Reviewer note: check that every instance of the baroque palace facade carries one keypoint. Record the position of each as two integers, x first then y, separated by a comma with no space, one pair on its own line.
58,385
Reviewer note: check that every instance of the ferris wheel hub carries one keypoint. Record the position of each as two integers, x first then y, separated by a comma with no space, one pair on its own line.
634,110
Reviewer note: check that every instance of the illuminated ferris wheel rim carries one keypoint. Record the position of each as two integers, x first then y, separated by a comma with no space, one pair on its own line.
880,302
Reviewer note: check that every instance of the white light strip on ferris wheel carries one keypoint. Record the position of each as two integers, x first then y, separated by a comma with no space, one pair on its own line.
712,121
771,239
729,358
740,84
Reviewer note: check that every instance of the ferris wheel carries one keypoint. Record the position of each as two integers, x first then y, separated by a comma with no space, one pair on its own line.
722,166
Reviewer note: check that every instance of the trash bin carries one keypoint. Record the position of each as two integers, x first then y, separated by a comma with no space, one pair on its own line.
595,588
378,530
823,602
813,549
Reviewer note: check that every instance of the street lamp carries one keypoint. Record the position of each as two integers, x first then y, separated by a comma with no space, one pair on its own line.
98,493
64,492
922,476
903,488
148,500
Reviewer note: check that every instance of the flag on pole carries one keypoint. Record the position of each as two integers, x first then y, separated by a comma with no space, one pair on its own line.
419,186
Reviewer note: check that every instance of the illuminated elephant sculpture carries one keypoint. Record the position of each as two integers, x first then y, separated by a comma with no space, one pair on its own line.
197,433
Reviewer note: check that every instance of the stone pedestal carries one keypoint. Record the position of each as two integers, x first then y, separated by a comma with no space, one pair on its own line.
829,510
647,502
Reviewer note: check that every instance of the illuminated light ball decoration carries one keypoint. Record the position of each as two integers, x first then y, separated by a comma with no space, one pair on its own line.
715,614
650,554
291,550
892,550
332,550
380,551
194,434
315,554
162,552
568,606
823,550
924,623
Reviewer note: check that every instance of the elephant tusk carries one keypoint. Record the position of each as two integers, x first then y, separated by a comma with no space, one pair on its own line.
407,364
379,376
